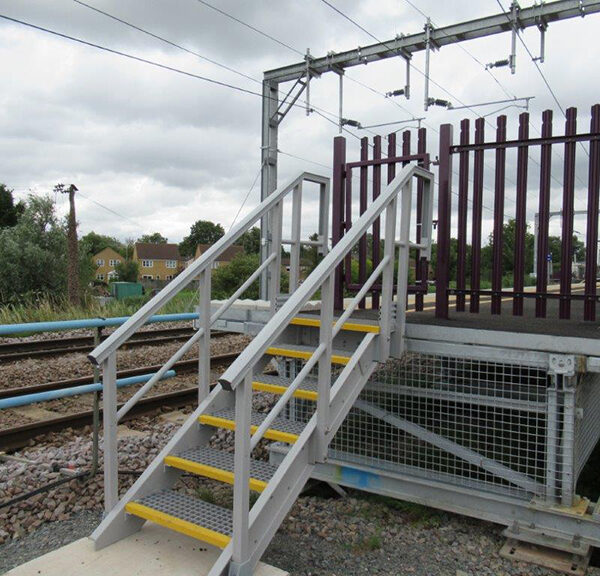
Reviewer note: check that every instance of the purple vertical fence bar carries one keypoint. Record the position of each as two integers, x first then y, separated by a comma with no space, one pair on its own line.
391,152
421,271
477,217
591,245
442,270
337,212
348,225
498,245
521,215
377,223
463,195
544,218
406,152
566,251
362,243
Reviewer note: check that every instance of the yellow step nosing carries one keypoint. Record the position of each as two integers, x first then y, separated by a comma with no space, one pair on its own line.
177,524
210,472
349,326
270,434
274,389
304,354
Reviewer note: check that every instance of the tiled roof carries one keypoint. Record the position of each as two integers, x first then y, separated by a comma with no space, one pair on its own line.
228,255
150,251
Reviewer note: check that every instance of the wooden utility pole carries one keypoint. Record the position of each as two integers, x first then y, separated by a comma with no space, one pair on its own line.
72,252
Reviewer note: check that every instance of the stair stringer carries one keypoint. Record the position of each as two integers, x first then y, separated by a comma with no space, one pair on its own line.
276,500
118,524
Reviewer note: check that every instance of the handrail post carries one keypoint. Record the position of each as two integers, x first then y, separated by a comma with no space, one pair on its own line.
204,295
275,267
387,281
324,378
241,484
324,193
109,409
403,259
295,248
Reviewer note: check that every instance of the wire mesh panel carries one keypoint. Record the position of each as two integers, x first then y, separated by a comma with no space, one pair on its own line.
587,421
470,422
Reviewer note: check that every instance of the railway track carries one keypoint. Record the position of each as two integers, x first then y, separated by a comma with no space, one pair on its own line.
11,351
19,436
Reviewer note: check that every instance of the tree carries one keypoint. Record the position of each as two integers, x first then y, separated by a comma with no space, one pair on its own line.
127,271
154,238
250,240
226,279
201,232
92,243
9,211
33,254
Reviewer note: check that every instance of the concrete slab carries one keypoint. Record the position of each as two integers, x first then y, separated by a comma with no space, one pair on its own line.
153,551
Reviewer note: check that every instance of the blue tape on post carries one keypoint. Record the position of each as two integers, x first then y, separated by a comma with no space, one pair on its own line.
27,399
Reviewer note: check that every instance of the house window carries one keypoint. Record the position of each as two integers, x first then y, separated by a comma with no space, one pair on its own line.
171,263
147,277
148,263
158,276
113,263
100,262
169,277
99,276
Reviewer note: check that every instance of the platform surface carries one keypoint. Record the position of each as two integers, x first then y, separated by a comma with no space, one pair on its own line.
153,551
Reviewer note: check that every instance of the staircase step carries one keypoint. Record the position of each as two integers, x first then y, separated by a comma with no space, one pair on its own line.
279,384
196,518
219,465
305,352
282,429
350,326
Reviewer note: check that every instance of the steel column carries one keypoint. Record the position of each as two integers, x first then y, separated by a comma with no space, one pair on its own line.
566,253
444,214
204,323
268,183
421,269
544,217
498,245
521,215
463,195
477,216
591,244
110,441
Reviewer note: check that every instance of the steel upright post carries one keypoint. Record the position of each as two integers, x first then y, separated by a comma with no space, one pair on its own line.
377,223
109,413
498,245
362,244
477,216
442,276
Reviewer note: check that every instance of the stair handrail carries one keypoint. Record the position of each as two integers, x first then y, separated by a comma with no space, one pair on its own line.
265,338
126,330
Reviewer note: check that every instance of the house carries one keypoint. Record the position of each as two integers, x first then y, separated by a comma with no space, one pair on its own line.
227,256
106,261
157,261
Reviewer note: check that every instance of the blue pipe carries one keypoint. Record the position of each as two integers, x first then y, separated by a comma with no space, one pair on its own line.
31,327
27,399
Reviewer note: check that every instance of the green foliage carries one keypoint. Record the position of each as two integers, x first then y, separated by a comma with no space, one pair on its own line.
228,278
9,211
250,240
201,232
33,253
154,238
92,243
127,271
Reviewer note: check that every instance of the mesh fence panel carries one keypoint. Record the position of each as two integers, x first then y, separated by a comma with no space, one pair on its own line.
587,421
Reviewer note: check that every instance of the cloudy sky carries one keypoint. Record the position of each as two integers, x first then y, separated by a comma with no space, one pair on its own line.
157,150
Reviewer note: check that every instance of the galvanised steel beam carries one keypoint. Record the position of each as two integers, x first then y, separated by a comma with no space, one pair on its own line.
540,16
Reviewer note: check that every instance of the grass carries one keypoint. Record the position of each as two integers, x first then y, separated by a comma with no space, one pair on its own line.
47,309
206,495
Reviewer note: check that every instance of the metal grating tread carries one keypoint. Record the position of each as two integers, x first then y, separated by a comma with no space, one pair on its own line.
309,383
283,348
225,461
189,509
257,418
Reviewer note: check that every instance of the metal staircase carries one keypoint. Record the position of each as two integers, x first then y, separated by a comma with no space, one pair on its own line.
317,341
